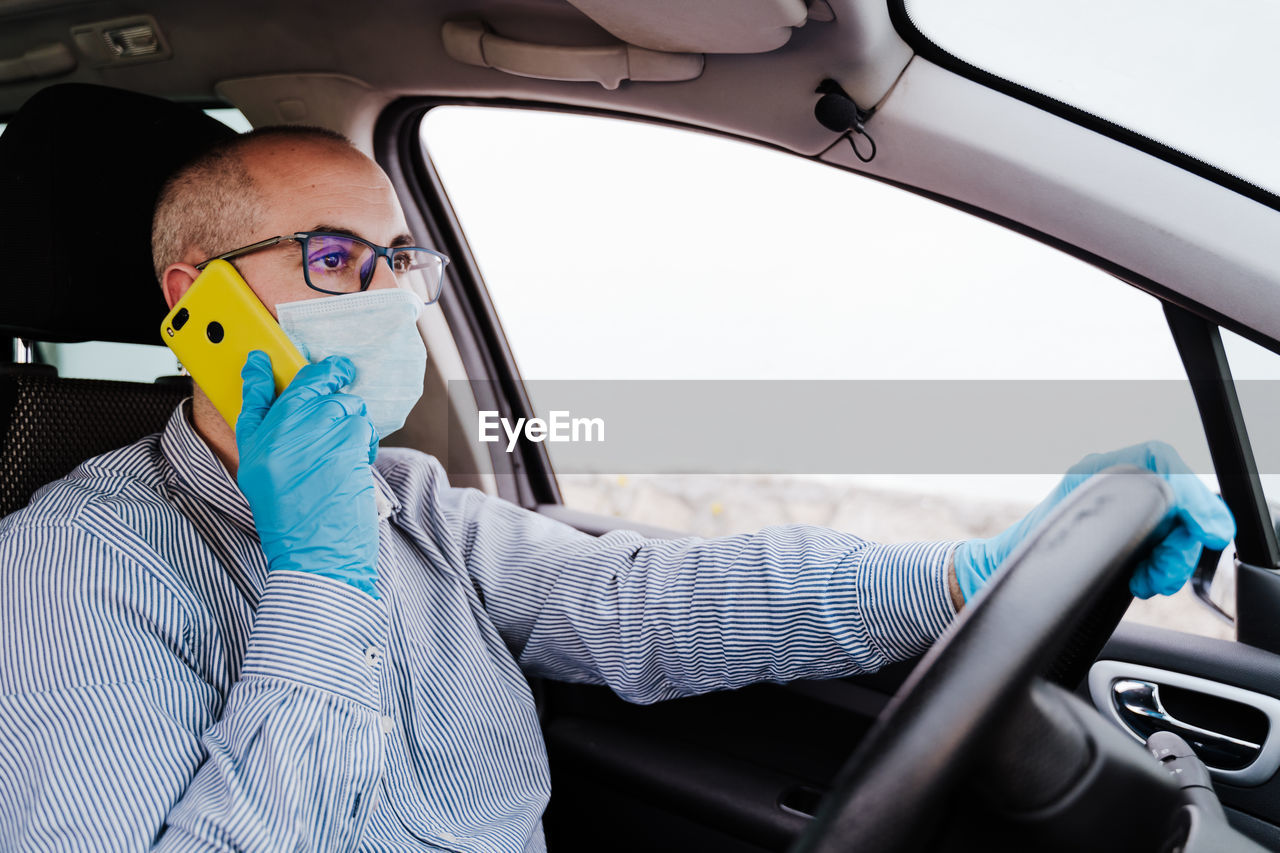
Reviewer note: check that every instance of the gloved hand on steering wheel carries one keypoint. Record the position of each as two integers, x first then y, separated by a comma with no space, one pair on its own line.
1201,520
305,468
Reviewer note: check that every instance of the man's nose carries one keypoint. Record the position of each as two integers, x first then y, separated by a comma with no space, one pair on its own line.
383,277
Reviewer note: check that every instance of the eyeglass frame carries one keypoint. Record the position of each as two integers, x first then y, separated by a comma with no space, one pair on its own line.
301,238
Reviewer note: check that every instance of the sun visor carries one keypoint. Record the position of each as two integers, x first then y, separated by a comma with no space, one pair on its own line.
705,26
657,41
475,43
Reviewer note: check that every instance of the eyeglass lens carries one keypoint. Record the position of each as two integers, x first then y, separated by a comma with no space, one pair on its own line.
343,265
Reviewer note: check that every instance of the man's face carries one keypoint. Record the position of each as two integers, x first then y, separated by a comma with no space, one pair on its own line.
315,187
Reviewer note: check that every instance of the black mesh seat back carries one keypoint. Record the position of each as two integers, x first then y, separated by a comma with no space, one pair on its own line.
52,424
80,169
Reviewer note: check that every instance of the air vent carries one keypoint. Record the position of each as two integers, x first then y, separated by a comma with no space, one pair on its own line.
122,41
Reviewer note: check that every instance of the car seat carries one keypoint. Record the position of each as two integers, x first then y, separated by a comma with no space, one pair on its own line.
80,169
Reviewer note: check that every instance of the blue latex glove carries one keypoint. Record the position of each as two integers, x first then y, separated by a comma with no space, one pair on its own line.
1201,520
305,469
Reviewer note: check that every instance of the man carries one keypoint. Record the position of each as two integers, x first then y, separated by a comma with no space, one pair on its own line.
278,637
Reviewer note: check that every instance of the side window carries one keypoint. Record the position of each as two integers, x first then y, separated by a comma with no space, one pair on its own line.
129,362
624,255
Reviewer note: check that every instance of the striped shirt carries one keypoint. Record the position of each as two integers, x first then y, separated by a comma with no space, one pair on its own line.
158,687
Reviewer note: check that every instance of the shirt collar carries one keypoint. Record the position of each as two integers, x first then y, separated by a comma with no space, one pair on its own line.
197,471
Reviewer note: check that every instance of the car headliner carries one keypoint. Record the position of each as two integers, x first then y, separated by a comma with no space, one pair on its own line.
395,47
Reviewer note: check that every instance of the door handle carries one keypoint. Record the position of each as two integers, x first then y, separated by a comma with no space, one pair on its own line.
1259,764
1138,704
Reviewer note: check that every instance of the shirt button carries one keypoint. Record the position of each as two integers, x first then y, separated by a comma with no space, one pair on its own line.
387,724
373,656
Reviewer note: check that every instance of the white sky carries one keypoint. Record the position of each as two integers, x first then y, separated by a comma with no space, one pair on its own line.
620,250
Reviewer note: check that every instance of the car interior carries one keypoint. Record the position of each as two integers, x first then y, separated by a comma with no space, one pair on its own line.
1024,727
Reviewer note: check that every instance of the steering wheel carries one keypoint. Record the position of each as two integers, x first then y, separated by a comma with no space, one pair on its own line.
981,676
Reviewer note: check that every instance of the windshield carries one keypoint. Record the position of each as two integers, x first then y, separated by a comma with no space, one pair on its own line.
1196,77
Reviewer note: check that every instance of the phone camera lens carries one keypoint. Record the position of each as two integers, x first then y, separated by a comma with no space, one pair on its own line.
215,332
180,319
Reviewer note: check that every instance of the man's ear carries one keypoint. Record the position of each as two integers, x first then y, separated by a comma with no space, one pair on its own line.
177,278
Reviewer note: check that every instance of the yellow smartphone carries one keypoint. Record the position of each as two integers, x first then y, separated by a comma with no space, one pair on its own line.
213,328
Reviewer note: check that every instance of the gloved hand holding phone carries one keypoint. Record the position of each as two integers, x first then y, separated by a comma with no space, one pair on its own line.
305,468
1201,520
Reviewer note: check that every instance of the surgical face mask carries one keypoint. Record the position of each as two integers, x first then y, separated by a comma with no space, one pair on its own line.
378,331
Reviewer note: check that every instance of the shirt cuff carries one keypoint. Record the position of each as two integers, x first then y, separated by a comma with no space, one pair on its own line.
904,597
320,633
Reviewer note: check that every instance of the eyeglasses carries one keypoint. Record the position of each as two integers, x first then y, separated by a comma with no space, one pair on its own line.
340,263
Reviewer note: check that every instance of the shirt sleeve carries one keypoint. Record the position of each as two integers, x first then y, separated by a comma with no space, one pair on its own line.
113,741
656,619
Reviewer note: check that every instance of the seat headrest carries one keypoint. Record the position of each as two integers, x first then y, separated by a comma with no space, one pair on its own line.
80,169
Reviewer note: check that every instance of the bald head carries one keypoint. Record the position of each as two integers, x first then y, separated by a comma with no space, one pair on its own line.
207,206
